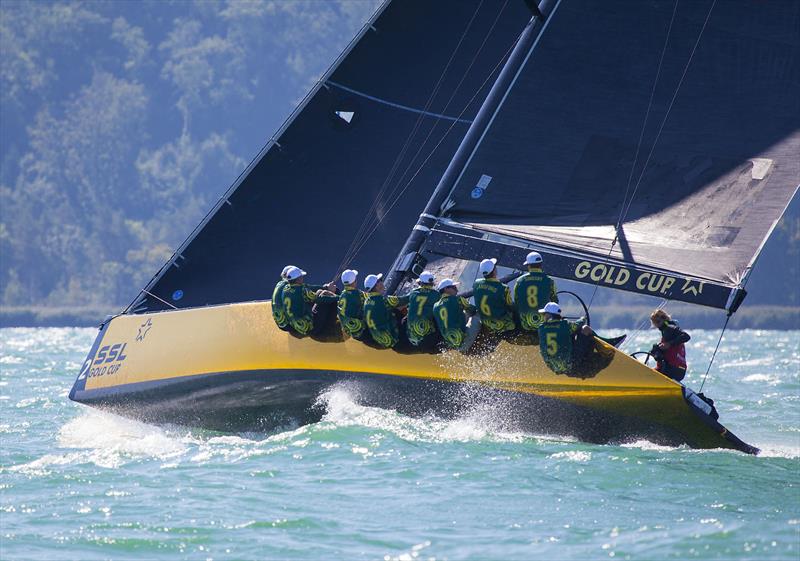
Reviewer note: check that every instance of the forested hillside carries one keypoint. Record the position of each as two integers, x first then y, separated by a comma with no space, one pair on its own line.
122,122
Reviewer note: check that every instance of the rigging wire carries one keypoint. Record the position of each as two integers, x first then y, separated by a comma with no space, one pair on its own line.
671,103
159,299
641,326
647,113
620,218
430,154
626,204
714,355
376,201
449,101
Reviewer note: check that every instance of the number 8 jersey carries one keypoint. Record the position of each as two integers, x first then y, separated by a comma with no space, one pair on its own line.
533,290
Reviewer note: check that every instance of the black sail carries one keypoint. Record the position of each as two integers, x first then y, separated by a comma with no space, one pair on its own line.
402,95
680,121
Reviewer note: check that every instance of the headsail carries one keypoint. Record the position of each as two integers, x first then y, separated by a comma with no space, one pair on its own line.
403,93
677,122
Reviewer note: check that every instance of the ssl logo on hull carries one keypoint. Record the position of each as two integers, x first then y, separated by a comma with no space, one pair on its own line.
109,360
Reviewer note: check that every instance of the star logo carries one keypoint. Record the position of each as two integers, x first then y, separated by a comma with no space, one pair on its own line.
143,329
689,288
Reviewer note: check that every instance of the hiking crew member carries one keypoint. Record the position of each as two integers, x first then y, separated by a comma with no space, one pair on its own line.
566,344
278,313
533,288
379,312
670,353
298,300
449,314
420,325
493,300
351,307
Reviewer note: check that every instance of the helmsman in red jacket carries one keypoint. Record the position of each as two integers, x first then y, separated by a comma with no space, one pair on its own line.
670,353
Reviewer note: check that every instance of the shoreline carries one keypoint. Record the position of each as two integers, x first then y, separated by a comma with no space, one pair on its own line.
781,318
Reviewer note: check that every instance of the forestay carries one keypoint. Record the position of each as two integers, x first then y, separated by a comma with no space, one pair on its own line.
412,80
679,122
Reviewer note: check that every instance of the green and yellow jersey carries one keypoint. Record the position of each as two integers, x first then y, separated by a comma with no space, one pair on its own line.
380,318
351,311
297,301
278,313
450,319
533,290
420,313
494,304
556,343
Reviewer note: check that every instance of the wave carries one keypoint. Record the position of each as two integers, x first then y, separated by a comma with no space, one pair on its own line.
108,441
480,423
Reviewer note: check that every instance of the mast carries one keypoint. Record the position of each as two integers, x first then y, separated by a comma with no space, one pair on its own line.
404,263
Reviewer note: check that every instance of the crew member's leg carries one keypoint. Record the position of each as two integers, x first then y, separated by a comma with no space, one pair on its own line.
675,372
402,321
581,347
323,315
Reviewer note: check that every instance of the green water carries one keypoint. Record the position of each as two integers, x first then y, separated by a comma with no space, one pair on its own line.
371,484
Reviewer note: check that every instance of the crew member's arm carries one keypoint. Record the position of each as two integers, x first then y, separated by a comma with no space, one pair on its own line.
323,298
397,301
509,301
674,335
553,291
580,325
467,307
312,296
517,293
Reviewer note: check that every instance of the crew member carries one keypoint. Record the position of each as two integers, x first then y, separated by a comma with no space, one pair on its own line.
531,289
351,307
670,353
449,313
493,300
309,312
566,344
420,326
380,312
278,313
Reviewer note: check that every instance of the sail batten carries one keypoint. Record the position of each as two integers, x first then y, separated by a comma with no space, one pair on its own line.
397,105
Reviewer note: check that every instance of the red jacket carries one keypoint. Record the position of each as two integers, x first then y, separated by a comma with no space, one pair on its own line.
675,355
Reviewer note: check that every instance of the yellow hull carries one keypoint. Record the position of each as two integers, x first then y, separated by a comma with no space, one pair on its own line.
139,361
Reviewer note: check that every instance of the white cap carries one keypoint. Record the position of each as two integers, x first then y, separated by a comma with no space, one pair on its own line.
445,283
533,258
551,308
371,281
487,266
286,271
426,277
294,273
349,276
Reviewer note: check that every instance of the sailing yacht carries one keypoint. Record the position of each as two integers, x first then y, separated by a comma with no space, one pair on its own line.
648,147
